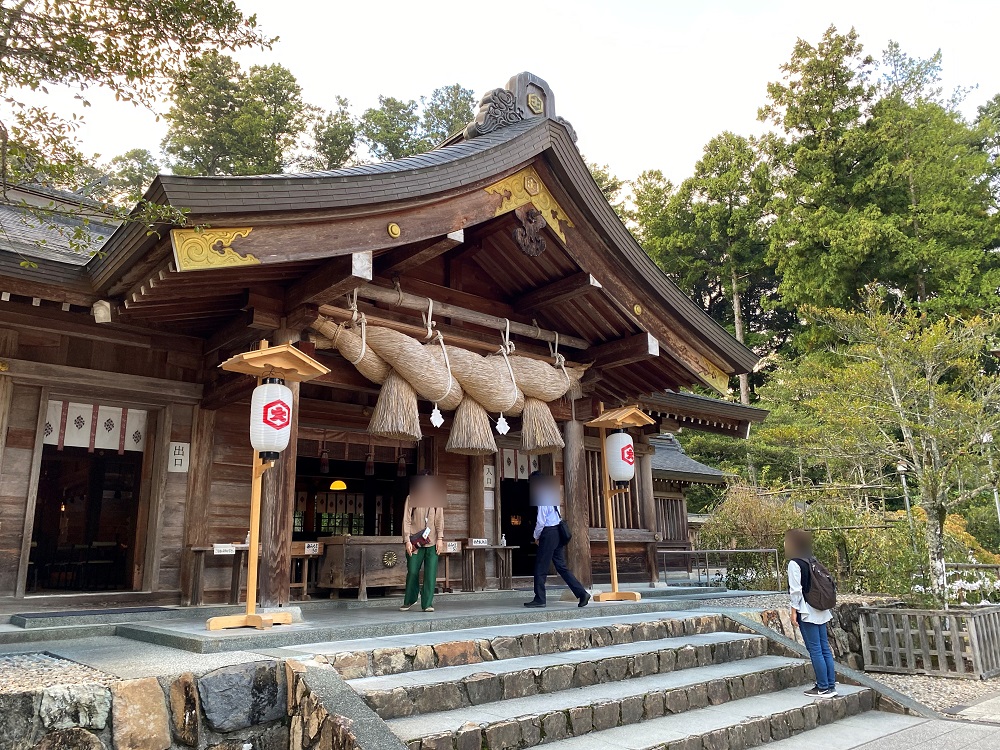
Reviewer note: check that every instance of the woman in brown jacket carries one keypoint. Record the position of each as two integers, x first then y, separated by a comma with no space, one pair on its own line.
426,525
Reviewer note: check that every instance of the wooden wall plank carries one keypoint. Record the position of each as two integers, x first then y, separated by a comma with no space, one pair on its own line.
41,402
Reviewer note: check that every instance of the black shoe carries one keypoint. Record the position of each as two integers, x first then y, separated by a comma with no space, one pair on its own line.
584,600
539,605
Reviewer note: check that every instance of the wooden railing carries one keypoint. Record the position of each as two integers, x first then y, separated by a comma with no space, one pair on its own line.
955,643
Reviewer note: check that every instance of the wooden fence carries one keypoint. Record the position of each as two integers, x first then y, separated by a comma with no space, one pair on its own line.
957,643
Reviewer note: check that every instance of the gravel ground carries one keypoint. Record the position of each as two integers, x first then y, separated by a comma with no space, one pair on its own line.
23,672
940,693
748,603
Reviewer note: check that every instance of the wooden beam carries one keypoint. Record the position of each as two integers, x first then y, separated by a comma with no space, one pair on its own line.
140,387
228,388
32,499
402,259
625,351
413,302
558,291
336,277
448,294
243,329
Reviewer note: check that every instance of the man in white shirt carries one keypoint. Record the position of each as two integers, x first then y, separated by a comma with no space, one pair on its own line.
551,550
811,622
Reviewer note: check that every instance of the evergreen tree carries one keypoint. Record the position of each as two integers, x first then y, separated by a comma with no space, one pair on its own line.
392,130
334,138
448,110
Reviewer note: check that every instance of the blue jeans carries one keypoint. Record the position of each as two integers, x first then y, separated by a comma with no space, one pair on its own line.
818,644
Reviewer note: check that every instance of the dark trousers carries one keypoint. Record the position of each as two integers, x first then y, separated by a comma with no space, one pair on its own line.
551,552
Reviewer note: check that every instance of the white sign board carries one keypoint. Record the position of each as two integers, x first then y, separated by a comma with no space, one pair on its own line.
489,500
311,548
471,542
178,457
452,547
224,549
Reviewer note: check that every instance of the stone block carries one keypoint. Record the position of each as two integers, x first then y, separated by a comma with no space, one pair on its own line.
557,678
736,738
547,642
676,701
853,702
796,720
519,684
613,669
185,709
606,715
437,741
810,716
839,708
276,737
585,674
645,664
826,711
457,652
620,633
386,661
390,704
67,706
718,692
529,644
705,657
668,660
555,726
469,737
631,709
780,730
751,684
756,731
531,731
67,739
697,696
866,700
599,637
242,695
687,657
351,665
485,652
446,696
653,706
786,678
688,743
645,631
502,735
581,720
717,740
139,715
295,732
768,682
20,719
736,689
505,647
483,688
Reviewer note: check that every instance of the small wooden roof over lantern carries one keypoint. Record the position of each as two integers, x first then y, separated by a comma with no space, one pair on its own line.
623,416
281,361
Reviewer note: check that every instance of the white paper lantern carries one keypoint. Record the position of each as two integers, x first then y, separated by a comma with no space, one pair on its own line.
621,457
270,417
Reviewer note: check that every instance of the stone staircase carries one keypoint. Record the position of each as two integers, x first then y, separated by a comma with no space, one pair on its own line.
636,682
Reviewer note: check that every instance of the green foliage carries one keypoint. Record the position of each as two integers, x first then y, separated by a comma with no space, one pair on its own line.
130,49
225,121
392,130
128,176
334,139
611,185
448,110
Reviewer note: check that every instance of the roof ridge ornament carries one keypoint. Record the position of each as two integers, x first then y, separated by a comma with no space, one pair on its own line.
526,96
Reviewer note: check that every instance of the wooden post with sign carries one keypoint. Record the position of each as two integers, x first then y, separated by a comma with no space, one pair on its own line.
623,417
289,364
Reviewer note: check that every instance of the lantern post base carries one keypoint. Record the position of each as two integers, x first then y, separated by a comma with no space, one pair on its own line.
260,622
618,596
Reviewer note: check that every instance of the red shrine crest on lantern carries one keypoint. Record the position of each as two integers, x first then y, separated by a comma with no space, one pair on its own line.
628,454
277,414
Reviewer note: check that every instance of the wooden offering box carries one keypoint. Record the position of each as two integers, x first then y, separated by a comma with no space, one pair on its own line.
382,558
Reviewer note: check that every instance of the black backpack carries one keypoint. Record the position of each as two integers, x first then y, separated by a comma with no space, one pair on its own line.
818,586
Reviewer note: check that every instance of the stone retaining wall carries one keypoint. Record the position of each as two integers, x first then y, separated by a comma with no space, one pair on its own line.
844,629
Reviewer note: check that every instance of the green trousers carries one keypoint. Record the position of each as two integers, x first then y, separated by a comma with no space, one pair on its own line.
413,563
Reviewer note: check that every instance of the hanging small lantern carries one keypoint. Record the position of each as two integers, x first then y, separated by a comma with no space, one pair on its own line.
370,466
401,466
621,457
324,457
270,418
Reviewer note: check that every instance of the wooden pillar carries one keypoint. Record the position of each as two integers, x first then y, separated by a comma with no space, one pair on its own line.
276,511
577,502
477,511
197,530
647,502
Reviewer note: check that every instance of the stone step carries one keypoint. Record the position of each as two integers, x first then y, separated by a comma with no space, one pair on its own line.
893,732
377,657
736,725
417,692
580,710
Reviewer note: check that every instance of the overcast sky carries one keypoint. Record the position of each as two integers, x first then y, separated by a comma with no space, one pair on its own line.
645,84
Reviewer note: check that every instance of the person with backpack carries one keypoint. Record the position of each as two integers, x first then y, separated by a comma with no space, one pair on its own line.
551,536
813,594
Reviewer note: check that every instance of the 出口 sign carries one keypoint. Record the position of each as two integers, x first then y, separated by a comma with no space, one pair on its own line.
179,457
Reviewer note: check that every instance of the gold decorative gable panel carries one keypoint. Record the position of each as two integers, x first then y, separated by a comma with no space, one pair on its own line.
208,249
524,187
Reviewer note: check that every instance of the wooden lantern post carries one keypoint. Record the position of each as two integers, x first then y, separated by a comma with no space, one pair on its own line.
289,364
615,419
